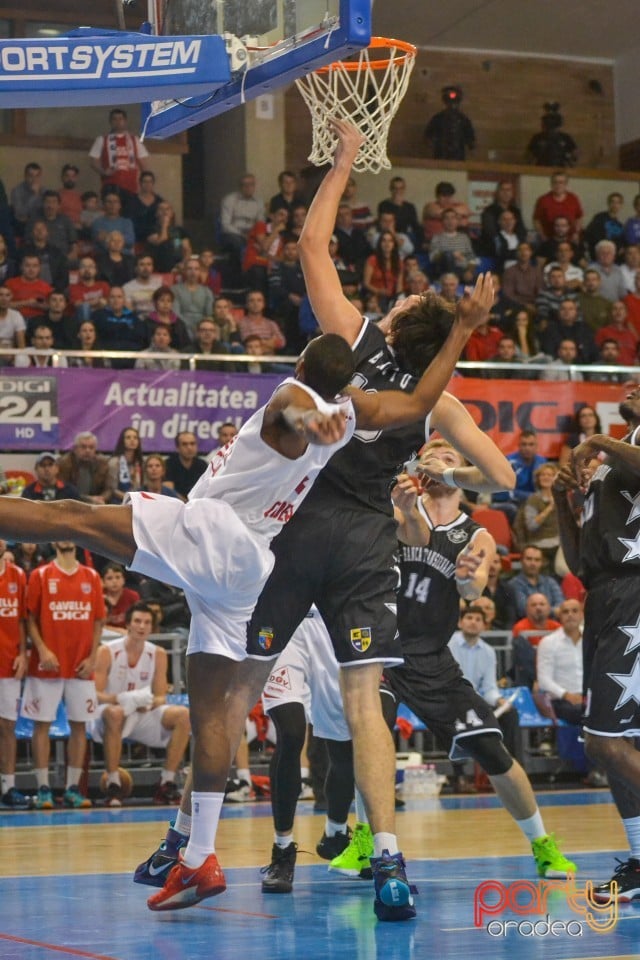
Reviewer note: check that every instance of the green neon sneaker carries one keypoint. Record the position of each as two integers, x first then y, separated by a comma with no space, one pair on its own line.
551,863
355,860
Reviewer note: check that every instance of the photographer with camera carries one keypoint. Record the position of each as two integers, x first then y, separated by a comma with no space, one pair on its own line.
551,147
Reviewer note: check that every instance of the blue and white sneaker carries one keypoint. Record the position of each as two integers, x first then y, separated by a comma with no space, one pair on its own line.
15,800
394,900
154,871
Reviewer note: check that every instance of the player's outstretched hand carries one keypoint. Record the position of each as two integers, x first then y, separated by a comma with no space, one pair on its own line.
564,480
349,140
405,493
467,564
474,307
323,429
583,457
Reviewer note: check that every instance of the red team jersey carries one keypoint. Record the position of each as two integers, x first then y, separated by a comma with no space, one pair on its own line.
66,606
13,609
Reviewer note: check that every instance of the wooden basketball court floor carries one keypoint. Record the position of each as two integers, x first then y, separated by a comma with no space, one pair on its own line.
66,889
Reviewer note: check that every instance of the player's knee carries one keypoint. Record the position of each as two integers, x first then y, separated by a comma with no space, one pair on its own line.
181,720
113,716
490,752
290,722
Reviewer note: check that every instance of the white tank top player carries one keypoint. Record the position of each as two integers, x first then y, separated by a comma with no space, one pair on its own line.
144,727
216,546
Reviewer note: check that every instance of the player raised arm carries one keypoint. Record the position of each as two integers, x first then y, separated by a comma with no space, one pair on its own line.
334,313
395,409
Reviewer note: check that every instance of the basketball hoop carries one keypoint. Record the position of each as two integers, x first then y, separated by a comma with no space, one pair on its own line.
366,92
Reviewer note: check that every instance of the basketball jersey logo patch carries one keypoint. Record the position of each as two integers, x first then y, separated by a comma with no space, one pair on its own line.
360,638
265,638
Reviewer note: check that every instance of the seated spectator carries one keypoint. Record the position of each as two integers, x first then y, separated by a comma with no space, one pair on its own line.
549,299
240,210
525,461
594,309
29,291
506,241
507,352
352,242
573,275
54,267
207,343
287,290
111,220
620,331
57,318
62,234
210,275
383,273
609,356
225,321
154,474
139,291
70,197
537,520
288,195
8,267
87,293
141,207
496,591
193,300
264,247
184,466
48,485
612,282
630,266
254,347
361,213
167,243
632,225
584,424
160,343
450,288
115,266
531,580
87,339
119,328
86,469
547,251
132,704
569,326
523,282
254,323
163,300
606,225
451,249
561,367
433,210
490,227
386,223
91,210
35,355
12,325
117,597
404,212
558,202
535,623
482,345
125,466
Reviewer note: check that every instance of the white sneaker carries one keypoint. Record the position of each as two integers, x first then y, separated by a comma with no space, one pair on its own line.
238,791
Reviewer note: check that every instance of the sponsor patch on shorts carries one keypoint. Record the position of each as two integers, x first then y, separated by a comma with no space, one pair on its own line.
265,638
361,638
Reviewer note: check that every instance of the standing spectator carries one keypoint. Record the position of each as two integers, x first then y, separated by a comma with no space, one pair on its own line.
139,291
13,667
286,292
167,243
288,195
584,423
115,266
404,211
524,461
503,200
111,220
87,293
141,208
185,466
118,157
558,202
595,309
66,616
523,281
131,683
160,343
530,581
612,283
620,331
28,291
193,300
26,197
120,328
606,225
239,212
12,325
154,474
48,485
70,197
62,233
163,300
117,597
383,274
126,464
254,323
40,353
86,469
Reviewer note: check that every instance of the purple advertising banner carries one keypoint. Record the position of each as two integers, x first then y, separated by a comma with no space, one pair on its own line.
44,411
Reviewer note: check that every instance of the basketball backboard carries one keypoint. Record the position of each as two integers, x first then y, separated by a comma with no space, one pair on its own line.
270,44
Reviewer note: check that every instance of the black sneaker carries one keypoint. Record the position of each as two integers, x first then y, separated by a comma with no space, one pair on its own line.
15,800
114,795
330,847
627,877
279,874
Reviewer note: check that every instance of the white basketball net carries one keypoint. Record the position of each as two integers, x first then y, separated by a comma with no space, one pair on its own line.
366,95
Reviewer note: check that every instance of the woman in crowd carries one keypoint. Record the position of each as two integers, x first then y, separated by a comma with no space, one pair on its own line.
584,424
537,524
383,270
87,339
163,312
154,474
126,464
117,597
